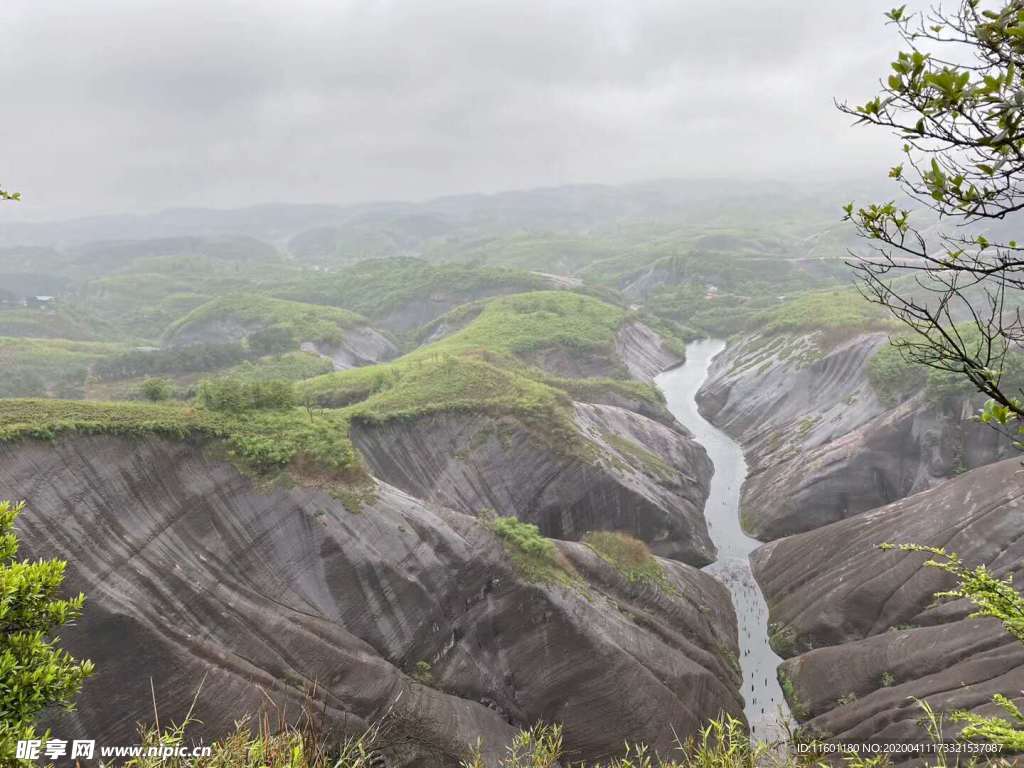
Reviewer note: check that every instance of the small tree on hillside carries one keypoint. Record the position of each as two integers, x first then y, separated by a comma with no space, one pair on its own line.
34,672
157,389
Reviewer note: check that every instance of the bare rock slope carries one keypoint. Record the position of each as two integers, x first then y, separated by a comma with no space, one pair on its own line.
643,351
195,572
360,345
861,624
633,474
820,444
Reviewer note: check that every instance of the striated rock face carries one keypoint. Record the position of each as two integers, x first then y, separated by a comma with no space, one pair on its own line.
638,475
864,622
361,346
643,351
820,445
195,573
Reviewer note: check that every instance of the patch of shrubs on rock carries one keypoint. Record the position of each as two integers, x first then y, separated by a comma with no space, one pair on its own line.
629,556
782,640
534,555
424,673
796,704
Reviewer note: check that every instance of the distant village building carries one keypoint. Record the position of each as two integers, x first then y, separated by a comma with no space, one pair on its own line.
39,302
712,293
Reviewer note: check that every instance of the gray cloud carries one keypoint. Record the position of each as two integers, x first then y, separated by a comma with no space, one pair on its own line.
133,105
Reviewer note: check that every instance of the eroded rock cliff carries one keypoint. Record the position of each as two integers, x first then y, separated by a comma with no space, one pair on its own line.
862,626
631,473
361,345
820,444
643,351
195,573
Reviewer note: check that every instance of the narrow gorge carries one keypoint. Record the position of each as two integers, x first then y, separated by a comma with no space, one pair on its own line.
766,706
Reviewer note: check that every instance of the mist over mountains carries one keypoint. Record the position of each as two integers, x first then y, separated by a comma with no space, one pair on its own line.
578,208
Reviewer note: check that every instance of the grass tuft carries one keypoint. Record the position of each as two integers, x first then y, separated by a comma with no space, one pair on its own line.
630,557
534,556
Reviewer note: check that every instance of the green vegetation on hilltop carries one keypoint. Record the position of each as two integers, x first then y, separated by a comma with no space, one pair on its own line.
429,385
121,377
254,312
37,367
138,295
290,366
807,326
341,388
895,379
265,440
830,311
449,383
169,360
481,363
483,367
529,322
269,439
235,396
142,305
498,377
379,287
60,322
561,252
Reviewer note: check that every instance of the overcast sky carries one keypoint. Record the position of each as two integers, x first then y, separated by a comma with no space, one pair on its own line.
136,105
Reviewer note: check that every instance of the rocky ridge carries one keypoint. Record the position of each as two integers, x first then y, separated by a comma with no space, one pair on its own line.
195,571
862,627
634,474
821,445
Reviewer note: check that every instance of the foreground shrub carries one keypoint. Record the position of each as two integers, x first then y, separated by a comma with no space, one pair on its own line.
722,743
994,598
34,672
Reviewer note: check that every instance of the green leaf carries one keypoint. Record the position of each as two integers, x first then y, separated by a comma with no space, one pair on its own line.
896,14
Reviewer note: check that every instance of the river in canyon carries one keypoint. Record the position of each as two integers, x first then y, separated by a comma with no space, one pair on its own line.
766,707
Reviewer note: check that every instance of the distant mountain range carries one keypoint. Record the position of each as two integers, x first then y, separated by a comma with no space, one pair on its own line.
570,208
